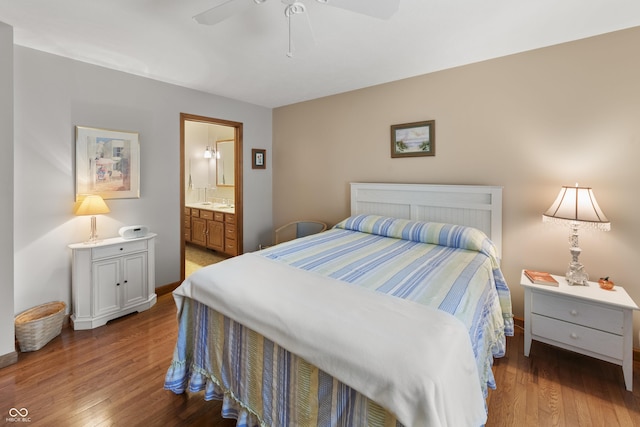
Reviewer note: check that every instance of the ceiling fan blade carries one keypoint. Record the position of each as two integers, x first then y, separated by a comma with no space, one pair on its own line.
222,11
381,9
301,37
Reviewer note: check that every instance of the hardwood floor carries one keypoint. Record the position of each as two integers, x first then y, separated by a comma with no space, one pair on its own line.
113,376
555,387
108,376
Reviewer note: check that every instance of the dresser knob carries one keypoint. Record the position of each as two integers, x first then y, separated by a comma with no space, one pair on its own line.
573,335
574,312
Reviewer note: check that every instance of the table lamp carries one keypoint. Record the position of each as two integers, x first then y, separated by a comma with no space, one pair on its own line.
91,205
576,207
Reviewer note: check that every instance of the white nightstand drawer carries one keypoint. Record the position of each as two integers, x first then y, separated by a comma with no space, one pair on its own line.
578,336
119,249
578,312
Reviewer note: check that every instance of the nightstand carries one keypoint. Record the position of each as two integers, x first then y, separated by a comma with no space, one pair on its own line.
584,319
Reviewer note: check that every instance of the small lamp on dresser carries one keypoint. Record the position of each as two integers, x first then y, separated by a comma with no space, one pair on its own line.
91,205
577,208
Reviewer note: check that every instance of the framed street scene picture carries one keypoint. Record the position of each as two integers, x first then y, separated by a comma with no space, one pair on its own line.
107,163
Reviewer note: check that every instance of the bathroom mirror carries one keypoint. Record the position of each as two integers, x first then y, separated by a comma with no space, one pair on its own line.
225,163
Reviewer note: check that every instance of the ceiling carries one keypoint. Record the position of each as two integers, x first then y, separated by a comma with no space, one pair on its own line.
244,57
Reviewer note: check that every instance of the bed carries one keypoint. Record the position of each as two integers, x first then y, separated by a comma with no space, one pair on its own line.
390,318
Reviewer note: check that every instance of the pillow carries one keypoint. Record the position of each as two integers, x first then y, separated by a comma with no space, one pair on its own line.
435,233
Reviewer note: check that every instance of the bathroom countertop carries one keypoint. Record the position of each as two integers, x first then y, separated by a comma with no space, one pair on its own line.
219,207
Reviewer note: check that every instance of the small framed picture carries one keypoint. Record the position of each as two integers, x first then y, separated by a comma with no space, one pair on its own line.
413,139
259,158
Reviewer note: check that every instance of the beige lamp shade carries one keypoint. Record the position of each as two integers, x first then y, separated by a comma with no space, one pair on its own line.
577,204
91,205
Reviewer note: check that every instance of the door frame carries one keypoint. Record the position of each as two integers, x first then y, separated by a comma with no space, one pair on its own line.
185,117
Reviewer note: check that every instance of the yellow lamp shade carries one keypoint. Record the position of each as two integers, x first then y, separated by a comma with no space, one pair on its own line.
91,205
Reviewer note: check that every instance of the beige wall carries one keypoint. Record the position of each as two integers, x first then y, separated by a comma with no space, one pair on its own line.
530,122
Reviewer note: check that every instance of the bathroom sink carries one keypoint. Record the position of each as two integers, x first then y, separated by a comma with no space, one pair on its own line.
212,206
225,208
222,206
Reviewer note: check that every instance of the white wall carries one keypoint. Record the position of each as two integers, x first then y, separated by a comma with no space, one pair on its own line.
7,338
54,94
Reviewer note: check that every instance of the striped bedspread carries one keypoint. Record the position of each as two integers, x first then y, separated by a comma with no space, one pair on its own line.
448,267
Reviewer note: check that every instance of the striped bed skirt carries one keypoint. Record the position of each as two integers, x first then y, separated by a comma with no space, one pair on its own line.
259,382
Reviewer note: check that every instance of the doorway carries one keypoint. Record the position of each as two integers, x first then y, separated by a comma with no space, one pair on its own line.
208,147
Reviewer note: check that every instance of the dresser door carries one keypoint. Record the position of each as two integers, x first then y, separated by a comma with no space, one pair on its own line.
134,280
106,285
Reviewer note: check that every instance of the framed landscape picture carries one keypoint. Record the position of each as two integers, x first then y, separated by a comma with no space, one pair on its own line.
107,163
413,139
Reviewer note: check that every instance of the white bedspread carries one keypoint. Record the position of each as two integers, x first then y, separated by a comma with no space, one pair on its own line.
413,360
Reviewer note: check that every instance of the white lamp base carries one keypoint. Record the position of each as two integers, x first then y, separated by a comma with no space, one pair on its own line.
576,274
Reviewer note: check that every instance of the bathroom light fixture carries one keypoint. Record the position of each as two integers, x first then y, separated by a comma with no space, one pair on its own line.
208,152
576,207
91,205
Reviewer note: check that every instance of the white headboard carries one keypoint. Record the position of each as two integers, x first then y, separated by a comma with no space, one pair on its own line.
476,206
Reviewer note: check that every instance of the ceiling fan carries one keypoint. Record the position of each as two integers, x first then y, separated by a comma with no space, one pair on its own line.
381,9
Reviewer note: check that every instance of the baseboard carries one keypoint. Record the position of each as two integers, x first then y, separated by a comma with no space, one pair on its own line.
166,289
8,359
518,322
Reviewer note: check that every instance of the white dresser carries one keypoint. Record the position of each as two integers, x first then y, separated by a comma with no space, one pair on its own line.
111,278
585,319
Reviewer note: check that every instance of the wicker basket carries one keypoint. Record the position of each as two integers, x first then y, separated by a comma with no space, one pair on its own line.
39,325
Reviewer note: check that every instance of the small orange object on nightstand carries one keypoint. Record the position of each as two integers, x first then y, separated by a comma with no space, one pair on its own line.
605,283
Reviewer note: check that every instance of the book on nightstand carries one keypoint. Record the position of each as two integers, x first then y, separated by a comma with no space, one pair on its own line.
541,278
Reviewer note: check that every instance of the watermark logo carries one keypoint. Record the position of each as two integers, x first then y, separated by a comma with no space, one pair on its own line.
18,416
